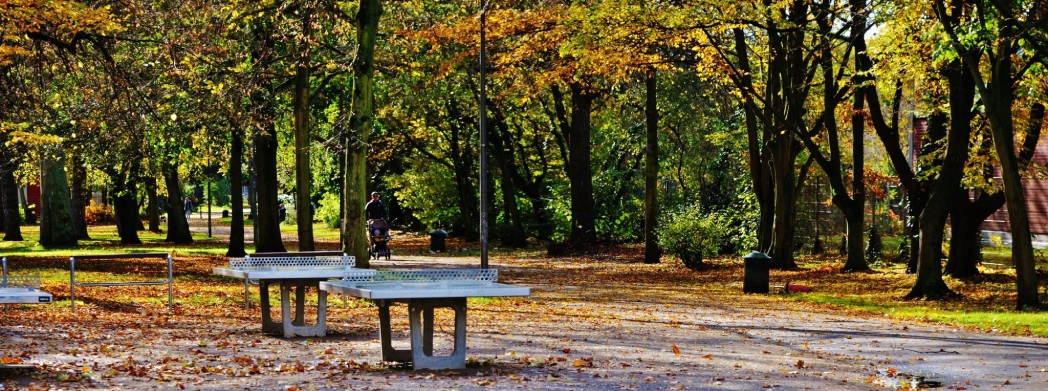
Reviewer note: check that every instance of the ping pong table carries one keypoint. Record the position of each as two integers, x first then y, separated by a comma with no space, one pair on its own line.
21,289
422,291
297,270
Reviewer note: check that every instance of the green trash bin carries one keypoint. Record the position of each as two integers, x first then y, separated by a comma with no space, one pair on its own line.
755,269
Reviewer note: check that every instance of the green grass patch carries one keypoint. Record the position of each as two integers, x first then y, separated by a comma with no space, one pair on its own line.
1015,322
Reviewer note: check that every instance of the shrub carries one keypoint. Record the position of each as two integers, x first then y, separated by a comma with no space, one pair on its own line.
96,214
328,212
690,235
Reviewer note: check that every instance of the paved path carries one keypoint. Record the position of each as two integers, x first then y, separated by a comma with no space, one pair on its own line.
758,341
587,335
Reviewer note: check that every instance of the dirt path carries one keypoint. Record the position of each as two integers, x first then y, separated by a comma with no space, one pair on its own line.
588,325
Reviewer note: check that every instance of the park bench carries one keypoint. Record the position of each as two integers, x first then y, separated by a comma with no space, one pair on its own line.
144,264
299,270
21,289
423,291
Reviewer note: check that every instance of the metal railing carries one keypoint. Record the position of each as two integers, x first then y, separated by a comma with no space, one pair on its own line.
73,284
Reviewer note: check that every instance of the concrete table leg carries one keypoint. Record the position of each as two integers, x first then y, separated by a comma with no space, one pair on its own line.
386,335
297,327
421,310
268,325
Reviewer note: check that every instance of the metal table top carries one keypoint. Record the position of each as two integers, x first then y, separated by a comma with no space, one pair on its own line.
394,290
289,272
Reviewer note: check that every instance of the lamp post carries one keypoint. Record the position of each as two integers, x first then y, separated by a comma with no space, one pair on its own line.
209,188
483,149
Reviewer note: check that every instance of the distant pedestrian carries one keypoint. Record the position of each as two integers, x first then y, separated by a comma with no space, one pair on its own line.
375,209
189,208
436,239
282,213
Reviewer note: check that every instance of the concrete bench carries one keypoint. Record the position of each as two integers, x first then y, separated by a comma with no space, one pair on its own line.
423,291
112,265
21,289
298,270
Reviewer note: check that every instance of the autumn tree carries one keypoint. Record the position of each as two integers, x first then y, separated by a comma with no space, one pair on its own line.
999,49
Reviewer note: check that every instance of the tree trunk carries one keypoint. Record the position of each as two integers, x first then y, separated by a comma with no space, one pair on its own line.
1002,127
929,283
502,141
759,154
965,238
177,226
354,239
81,196
56,221
652,252
27,208
580,172
236,185
303,139
12,219
152,205
267,233
785,203
125,206
856,209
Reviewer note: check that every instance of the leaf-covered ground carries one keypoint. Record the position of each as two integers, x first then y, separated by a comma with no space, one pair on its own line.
593,322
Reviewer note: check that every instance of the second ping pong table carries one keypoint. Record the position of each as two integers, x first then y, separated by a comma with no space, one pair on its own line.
299,270
424,290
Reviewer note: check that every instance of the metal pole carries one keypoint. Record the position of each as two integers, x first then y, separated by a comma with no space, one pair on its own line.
209,188
483,151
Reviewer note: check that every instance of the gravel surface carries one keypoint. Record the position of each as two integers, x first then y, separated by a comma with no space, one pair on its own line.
589,333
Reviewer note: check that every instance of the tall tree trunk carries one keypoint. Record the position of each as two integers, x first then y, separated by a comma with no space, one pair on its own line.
177,226
56,221
236,185
759,154
81,198
998,109
12,219
784,178
580,172
652,252
267,233
303,139
965,238
125,206
856,209
501,140
929,283
354,239
152,205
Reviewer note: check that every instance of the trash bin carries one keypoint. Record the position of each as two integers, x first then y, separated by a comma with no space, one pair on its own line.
225,213
436,239
755,269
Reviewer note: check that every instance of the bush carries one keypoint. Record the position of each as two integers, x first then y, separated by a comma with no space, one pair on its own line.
690,235
328,212
98,214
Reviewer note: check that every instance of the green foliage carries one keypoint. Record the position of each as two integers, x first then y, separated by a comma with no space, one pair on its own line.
328,212
220,192
428,191
690,235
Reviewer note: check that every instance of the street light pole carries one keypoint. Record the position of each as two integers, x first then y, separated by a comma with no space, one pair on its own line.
483,149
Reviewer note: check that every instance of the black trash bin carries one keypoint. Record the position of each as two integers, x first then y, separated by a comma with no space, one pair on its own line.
755,269
436,239
225,213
